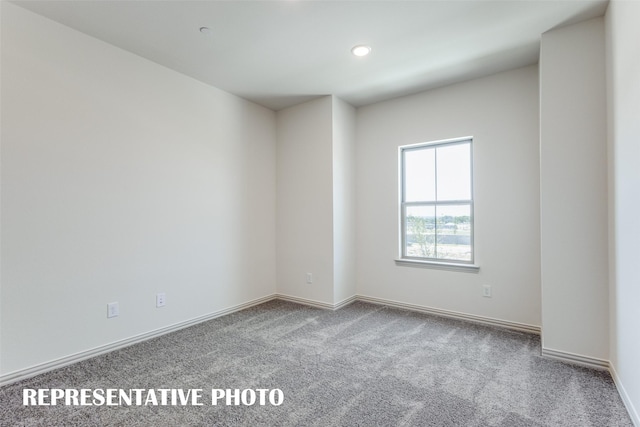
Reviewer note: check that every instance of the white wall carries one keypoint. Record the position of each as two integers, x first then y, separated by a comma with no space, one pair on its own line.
344,201
574,191
120,179
501,113
305,200
623,73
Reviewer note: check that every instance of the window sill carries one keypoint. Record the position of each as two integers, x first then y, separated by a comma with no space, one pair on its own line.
467,268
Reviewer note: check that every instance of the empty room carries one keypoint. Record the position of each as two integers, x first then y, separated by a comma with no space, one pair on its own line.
319,213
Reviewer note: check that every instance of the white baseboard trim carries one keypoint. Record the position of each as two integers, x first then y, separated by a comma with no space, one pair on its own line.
522,327
305,301
576,359
633,413
345,302
32,371
555,354
315,303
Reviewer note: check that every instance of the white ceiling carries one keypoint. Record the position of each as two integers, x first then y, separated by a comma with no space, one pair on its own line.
279,53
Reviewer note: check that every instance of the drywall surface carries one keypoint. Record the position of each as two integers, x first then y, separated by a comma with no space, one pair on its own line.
305,200
623,72
501,113
573,190
121,179
344,201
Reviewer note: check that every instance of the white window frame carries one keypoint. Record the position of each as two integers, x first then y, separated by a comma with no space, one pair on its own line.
461,265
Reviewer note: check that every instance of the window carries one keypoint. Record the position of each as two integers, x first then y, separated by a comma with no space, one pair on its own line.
436,206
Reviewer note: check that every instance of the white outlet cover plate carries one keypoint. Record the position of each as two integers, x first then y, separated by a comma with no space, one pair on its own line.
113,310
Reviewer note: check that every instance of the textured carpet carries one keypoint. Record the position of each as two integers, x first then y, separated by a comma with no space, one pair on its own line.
363,365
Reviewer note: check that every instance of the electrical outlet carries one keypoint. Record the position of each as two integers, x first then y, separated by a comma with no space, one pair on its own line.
113,310
486,291
161,299
309,278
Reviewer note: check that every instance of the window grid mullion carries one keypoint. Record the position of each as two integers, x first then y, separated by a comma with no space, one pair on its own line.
435,210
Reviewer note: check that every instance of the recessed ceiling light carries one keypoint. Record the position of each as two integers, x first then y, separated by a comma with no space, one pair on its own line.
361,50
205,30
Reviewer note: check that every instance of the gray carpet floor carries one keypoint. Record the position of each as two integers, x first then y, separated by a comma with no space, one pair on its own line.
363,365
